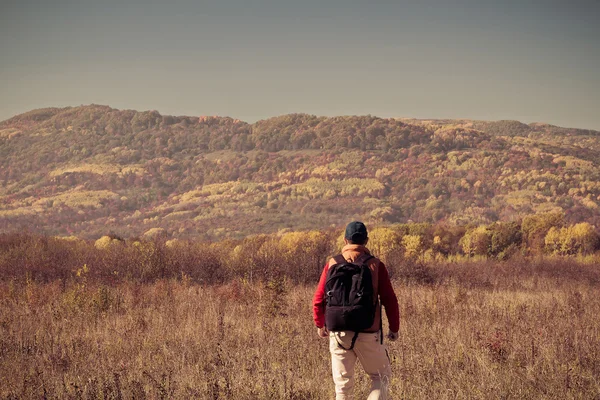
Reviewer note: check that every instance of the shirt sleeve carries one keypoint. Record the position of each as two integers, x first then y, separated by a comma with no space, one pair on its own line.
388,299
319,300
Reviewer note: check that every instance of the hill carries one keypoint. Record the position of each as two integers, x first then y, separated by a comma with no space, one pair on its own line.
91,170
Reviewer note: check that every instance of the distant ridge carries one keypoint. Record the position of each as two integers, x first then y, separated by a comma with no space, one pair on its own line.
501,126
92,169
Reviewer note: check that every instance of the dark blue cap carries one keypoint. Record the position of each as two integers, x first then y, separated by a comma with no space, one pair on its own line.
356,231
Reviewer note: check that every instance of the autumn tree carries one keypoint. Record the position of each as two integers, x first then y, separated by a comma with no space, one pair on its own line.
413,245
477,241
575,239
304,253
385,242
505,238
535,227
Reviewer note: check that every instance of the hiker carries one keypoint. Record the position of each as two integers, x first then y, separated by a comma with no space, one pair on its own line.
366,345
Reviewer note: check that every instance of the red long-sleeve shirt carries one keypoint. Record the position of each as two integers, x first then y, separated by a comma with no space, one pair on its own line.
386,293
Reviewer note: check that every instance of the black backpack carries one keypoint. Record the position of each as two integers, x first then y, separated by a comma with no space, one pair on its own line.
349,301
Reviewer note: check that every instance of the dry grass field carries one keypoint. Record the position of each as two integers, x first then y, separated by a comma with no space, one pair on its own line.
511,330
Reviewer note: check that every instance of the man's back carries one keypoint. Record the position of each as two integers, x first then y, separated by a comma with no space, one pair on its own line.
382,288
367,345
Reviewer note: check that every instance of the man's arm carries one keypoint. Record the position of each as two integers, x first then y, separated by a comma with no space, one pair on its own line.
319,300
388,298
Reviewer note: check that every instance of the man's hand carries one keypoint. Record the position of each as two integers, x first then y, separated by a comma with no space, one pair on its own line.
392,335
322,332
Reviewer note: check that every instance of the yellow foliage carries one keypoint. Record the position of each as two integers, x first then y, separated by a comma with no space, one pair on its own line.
540,223
573,162
17,212
217,188
9,133
179,215
589,203
575,239
476,241
81,272
100,169
291,242
188,196
413,245
553,240
383,173
519,198
80,198
173,243
380,213
469,215
318,188
106,242
324,171
383,240
154,232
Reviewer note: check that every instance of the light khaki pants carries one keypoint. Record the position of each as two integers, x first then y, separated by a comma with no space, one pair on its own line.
372,356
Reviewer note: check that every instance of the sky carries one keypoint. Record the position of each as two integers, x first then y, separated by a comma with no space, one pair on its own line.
528,60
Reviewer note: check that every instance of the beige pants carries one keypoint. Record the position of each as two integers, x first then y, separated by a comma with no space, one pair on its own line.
372,356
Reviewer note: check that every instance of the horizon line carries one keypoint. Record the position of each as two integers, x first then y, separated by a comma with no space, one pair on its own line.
420,119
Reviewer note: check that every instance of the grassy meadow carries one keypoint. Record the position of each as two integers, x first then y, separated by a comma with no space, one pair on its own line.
516,329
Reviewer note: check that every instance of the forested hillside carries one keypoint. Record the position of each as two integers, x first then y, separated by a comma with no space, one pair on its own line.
91,170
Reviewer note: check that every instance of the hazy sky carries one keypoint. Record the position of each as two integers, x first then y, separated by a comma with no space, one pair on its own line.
252,59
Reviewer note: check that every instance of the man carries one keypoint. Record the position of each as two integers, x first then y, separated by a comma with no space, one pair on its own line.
368,346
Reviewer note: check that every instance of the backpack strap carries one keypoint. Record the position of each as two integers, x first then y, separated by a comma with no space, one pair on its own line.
381,323
363,258
351,344
339,259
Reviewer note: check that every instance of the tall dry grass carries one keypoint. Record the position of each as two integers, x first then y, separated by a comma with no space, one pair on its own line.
475,331
233,320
